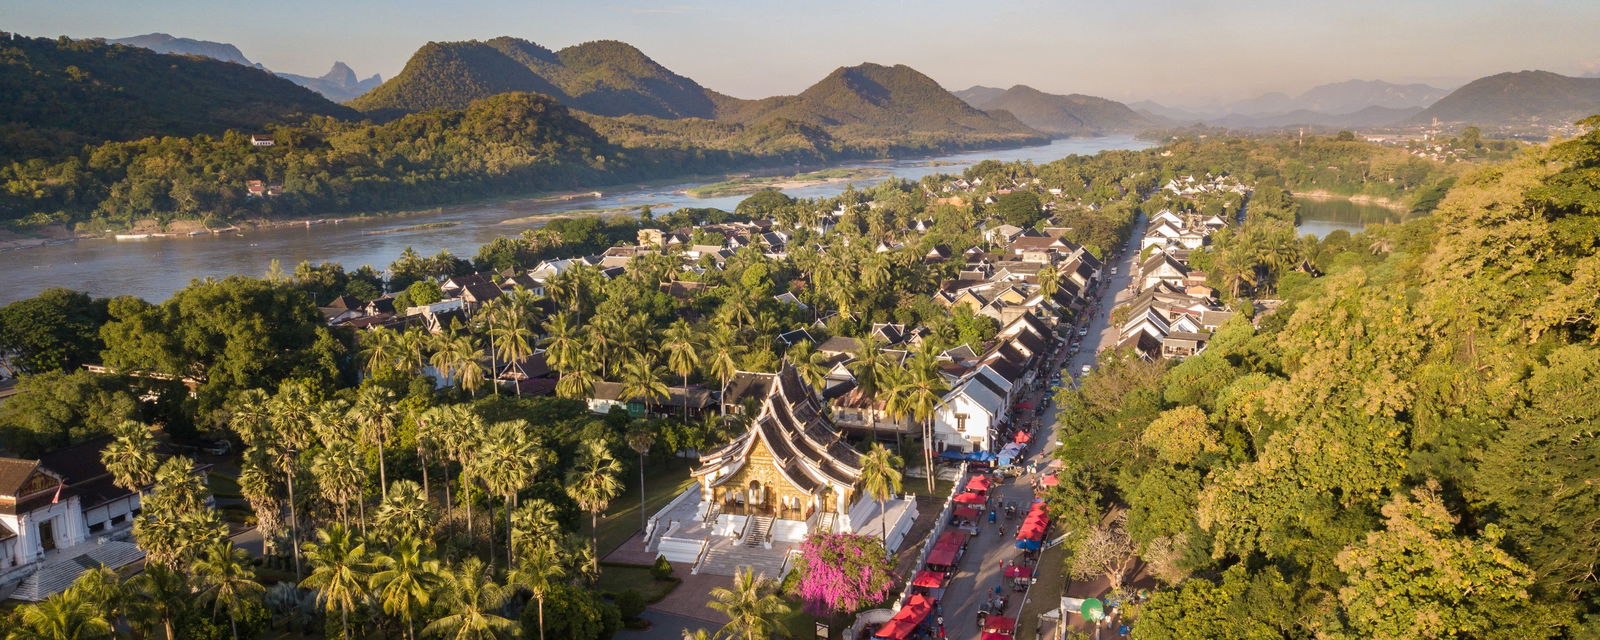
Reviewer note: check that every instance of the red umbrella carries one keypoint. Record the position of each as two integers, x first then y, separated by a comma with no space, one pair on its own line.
1019,571
999,624
1023,437
929,578
978,483
1050,480
969,498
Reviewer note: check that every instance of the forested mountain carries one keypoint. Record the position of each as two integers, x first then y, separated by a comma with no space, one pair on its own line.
1345,97
164,43
1516,98
604,77
56,95
339,84
1368,117
875,101
1073,114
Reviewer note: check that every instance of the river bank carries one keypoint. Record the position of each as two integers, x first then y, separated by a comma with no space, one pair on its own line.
1360,198
751,184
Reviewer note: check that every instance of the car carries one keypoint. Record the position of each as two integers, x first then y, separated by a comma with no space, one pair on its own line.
1113,271
1083,331
1085,370
219,448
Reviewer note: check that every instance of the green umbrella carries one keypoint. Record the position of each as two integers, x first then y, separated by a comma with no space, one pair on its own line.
1092,610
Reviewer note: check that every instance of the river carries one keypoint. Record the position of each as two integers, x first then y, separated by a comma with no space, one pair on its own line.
1322,217
154,268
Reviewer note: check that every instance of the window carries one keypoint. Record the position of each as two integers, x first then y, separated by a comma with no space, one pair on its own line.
116,520
97,527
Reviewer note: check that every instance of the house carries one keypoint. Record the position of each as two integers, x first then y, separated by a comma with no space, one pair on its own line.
1159,268
970,416
255,188
261,140
1002,234
789,298
792,338
1181,344
60,514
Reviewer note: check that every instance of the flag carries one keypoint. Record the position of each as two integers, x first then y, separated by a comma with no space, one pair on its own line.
57,498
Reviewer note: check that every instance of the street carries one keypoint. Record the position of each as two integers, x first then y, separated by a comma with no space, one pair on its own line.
981,568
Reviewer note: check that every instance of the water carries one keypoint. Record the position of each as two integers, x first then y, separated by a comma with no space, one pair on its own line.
1322,217
153,269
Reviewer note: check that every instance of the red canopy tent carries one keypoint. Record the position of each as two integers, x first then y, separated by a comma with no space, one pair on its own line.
1032,531
1023,437
895,629
906,619
1024,405
969,498
999,624
944,555
970,513
978,483
956,537
929,578
995,636
1019,571
1049,480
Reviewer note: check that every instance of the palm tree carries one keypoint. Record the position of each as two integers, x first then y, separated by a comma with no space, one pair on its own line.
721,350
64,616
593,484
868,366
577,382
103,587
737,308
373,415
880,478
380,348
131,457
540,570
474,597
698,634
411,348
641,378
683,354
290,423
917,395
562,343
1049,280
513,341
339,568
640,439
462,432
404,580
227,581
811,365
338,471
507,464
752,607
405,513
157,594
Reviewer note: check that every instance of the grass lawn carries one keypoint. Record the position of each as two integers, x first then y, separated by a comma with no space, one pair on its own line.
802,625
222,486
621,521
617,578
1045,594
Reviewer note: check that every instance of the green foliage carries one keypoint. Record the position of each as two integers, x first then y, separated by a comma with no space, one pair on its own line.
661,569
1019,208
57,330
54,409
570,612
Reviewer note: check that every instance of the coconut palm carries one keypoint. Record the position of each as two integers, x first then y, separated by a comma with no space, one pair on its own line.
103,587
738,309
683,354
641,378
918,391
577,383
880,478
721,350
541,569
373,415
380,349
157,596
593,483
405,513
411,350
404,579
753,608
339,570
1049,280
226,580
869,367
508,329
698,634
64,616
131,456
811,365
506,465
290,428
473,598
562,343
640,439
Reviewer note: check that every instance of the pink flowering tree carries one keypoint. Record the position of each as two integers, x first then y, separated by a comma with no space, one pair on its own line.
842,573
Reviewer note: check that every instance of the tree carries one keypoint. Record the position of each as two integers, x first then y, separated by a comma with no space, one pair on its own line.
1019,208
641,379
1049,280
880,478
339,570
131,456
338,471
405,512
843,572
917,395
1261,605
373,415
158,595
722,348
593,483
53,410
540,570
811,365
1417,578
57,330
640,438
227,581
175,522
683,354
1180,435
473,598
506,464
64,616
753,607
404,580
1107,551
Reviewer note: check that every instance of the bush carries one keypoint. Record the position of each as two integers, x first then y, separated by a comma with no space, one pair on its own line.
629,604
661,570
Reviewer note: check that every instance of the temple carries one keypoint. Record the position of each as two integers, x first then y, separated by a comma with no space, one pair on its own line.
789,474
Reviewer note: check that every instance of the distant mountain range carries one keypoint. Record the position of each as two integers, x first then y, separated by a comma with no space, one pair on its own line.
1352,103
339,84
610,78
55,97
1073,114
1369,117
1520,97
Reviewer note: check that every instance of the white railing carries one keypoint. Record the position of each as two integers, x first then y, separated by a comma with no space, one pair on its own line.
933,536
655,520
705,546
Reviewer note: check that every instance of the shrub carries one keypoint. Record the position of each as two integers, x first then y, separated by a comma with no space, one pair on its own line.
661,570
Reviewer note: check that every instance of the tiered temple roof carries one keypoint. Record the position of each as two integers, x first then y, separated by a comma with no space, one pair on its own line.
807,447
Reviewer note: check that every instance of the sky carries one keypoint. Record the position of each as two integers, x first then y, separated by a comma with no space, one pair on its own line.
1191,53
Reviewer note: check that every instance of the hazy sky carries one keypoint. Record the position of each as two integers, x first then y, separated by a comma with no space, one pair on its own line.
1180,51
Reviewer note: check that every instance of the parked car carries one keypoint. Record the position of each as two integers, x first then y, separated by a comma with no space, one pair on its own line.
219,448
1085,370
1083,331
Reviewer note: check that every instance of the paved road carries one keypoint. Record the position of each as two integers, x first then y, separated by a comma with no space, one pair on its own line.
980,570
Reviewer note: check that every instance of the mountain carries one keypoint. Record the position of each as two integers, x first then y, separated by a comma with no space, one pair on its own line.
1157,110
873,100
1352,96
1074,114
1275,102
339,84
1368,117
164,43
1518,97
605,77
56,95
